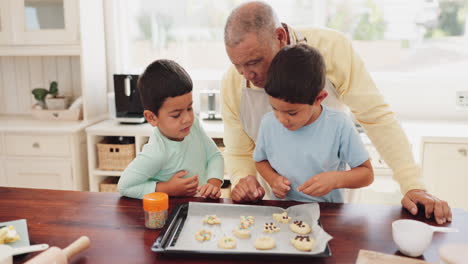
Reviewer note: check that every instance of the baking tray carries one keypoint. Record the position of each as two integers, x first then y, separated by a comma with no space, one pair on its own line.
167,241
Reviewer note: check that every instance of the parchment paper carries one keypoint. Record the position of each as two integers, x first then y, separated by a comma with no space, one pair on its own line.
230,219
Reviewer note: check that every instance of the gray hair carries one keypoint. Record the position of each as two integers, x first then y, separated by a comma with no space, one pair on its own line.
257,17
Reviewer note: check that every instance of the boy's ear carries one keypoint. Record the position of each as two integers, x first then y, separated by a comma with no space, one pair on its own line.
321,96
151,117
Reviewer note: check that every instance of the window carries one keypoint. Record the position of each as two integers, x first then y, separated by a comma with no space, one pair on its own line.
410,47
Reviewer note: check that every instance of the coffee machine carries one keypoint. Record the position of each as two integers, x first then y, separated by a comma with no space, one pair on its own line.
127,99
210,108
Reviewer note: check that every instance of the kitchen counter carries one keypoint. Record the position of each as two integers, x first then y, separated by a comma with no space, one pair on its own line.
26,123
111,127
115,226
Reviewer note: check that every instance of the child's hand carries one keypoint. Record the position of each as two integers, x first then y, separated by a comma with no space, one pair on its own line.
280,186
183,186
209,190
319,184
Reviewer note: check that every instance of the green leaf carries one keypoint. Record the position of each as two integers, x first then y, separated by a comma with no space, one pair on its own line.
40,94
53,89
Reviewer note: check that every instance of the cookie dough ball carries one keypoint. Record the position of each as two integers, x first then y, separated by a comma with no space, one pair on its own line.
303,243
270,228
212,220
282,218
241,232
226,242
264,243
300,227
203,235
247,220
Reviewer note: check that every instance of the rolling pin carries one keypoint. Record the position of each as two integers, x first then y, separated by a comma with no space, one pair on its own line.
59,256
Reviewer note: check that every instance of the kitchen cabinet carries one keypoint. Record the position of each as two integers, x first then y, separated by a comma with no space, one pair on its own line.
39,22
67,46
445,169
40,173
5,28
49,160
2,163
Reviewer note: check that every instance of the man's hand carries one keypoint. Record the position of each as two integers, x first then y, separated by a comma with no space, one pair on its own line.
210,189
247,190
179,186
432,204
280,186
320,184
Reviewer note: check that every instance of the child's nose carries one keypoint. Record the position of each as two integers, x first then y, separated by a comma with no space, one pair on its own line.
187,118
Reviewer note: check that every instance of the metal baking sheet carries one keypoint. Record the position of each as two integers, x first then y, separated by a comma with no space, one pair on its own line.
180,232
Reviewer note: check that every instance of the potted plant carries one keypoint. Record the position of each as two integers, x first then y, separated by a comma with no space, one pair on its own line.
50,99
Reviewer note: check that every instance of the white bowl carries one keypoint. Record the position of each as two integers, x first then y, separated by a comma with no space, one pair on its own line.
412,237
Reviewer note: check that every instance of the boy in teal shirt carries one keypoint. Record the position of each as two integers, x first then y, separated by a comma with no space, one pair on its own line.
179,159
303,147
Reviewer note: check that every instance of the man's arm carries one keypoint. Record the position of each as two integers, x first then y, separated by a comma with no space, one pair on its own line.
358,91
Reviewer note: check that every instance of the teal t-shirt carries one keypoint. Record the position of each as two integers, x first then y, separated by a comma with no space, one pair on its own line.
328,144
161,158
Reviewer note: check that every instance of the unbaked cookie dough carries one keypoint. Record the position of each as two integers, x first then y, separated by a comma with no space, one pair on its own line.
264,243
270,228
212,220
300,227
303,243
247,220
282,218
203,235
242,231
227,242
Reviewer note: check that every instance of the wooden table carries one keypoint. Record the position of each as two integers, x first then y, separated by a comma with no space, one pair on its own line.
115,226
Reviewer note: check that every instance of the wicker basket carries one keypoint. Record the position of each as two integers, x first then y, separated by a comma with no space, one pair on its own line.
114,156
109,184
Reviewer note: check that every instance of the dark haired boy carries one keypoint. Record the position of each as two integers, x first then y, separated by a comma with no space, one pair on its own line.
179,159
303,147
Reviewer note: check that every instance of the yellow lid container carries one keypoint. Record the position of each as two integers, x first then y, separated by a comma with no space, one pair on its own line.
157,201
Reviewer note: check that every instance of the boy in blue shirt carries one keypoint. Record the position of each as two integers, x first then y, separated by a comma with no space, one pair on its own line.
179,159
303,147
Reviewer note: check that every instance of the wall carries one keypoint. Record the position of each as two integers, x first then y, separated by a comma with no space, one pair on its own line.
20,75
424,96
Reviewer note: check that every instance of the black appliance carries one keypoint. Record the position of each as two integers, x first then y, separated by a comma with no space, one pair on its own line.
128,106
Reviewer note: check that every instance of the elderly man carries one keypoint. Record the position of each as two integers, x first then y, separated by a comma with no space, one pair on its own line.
253,36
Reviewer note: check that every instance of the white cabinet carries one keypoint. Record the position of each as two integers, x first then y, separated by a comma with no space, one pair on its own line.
445,169
44,160
5,23
43,41
39,22
39,173
2,164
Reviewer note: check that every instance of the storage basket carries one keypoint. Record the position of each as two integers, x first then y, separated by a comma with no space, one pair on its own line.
109,184
114,156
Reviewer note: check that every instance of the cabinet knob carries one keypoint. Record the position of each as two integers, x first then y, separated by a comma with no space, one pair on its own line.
36,145
463,152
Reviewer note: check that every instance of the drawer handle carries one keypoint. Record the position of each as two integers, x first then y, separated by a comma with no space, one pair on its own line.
463,152
36,145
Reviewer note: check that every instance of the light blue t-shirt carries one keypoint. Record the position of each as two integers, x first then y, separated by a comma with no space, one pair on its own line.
327,144
161,158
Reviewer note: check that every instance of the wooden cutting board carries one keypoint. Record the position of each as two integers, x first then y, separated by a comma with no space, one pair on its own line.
373,257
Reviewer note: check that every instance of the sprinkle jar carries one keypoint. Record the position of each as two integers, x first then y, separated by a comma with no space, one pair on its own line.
155,206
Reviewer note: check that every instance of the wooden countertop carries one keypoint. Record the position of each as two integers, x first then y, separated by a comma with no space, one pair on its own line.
115,226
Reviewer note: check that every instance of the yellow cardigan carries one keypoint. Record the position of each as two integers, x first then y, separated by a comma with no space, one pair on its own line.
355,88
